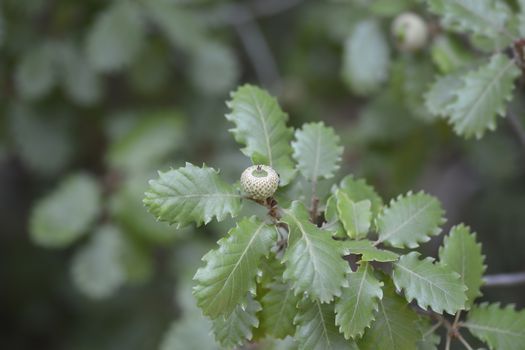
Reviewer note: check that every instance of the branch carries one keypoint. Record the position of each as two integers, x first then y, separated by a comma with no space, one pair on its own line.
505,279
314,203
259,52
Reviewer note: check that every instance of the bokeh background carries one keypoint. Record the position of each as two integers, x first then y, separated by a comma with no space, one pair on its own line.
97,95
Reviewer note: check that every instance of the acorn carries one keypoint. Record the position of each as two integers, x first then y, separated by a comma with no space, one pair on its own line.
259,181
410,32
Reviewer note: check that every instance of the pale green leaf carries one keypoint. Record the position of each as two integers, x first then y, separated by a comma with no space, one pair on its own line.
35,74
485,17
217,60
191,194
260,125
36,137
431,285
483,97
148,143
316,329
442,93
189,332
97,269
358,190
67,213
394,327
313,259
366,58
461,253
231,269
180,24
410,220
355,309
409,77
521,18
501,328
78,79
279,307
127,209
233,330
151,71
116,37
449,55
137,259
368,252
355,216
317,151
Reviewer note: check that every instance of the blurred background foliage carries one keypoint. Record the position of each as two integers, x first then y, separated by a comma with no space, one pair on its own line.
98,95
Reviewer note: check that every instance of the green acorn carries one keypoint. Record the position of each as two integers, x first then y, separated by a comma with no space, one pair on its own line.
259,181
410,32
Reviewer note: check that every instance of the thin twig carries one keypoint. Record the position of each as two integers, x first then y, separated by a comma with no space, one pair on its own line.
456,320
314,203
432,329
464,342
449,339
517,127
260,54
504,279
234,14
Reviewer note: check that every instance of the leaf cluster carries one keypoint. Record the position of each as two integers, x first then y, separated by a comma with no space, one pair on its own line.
335,272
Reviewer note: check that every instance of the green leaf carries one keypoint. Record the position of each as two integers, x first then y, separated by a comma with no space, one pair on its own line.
192,331
97,268
410,220
191,194
432,285
77,77
483,97
394,325
127,209
461,253
181,25
366,58
368,252
355,216
67,213
260,125
358,190
279,307
485,17
217,60
313,259
149,142
35,75
441,94
231,269
521,18
317,151
36,137
316,328
449,55
116,37
233,330
355,309
501,328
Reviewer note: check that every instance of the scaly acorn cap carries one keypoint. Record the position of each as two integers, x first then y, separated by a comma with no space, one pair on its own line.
259,181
